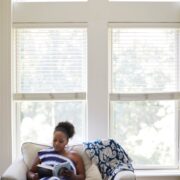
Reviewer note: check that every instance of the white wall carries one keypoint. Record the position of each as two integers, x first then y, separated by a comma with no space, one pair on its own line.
5,85
1,83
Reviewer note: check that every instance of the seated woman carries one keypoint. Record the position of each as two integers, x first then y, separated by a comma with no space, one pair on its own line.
58,154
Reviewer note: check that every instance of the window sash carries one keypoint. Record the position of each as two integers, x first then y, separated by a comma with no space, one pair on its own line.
144,96
176,140
48,96
18,111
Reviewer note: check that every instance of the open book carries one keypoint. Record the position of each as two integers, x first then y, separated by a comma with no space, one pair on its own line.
48,171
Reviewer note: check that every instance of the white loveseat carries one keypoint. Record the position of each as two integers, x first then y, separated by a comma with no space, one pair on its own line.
17,170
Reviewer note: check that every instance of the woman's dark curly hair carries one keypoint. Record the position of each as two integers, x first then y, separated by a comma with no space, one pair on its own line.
65,127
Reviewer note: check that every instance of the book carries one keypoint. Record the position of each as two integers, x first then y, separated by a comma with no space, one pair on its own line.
49,171
44,170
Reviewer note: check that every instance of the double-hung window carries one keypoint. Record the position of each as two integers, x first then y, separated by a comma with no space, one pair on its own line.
144,93
50,81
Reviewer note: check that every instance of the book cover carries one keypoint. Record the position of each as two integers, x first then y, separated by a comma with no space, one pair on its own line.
48,171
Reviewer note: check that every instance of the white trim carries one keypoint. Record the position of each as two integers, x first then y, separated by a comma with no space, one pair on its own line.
161,167
177,133
48,96
102,10
97,95
157,173
168,25
51,25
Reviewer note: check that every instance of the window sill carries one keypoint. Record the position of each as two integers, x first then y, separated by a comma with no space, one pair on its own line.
160,173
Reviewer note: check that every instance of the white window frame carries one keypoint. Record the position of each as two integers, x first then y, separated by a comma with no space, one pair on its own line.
148,96
39,97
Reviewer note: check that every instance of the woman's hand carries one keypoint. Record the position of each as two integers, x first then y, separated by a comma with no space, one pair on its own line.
35,176
67,173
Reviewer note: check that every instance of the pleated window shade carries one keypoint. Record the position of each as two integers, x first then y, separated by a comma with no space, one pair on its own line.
145,60
51,60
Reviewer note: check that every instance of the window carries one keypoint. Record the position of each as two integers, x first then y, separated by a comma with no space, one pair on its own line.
50,81
143,107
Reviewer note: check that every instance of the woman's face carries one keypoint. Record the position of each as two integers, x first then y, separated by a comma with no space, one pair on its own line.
59,141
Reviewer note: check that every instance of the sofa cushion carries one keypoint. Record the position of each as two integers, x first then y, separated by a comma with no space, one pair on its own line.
80,150
30,150
125,175
93,173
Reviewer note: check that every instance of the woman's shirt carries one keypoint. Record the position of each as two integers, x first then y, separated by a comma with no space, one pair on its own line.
51,158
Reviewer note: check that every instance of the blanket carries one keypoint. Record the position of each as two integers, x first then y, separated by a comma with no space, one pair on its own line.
109,156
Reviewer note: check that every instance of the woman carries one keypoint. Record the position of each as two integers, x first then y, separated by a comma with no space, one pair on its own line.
58,154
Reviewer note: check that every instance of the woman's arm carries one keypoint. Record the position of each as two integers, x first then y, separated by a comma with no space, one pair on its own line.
80,170
79,167
32,173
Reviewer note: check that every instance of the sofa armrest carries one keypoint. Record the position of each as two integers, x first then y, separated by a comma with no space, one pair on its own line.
125,175
16,171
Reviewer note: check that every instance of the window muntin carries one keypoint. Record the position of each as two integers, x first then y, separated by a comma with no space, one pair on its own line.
51,60
143,112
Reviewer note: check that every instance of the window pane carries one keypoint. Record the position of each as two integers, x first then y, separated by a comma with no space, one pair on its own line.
147,130
38,119
51,60
144,60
